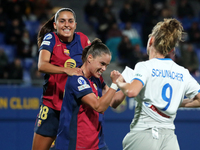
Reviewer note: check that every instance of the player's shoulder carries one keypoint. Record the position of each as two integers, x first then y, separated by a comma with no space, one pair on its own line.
49,36
84,39
77,79
143,63
178,67
81,34
182,69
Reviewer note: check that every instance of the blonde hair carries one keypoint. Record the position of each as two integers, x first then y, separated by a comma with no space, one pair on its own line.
167,35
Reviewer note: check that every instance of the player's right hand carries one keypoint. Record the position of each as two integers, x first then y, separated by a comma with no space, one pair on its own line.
114,75
74,71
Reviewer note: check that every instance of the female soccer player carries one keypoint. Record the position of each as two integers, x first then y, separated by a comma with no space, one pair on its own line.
85,100
60,51
159,86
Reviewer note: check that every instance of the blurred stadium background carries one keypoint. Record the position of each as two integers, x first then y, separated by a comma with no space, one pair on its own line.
111,21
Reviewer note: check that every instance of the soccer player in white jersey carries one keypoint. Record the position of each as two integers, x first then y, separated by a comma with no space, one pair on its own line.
159,86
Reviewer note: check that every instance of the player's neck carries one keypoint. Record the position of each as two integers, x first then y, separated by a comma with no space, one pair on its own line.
155,54
85,71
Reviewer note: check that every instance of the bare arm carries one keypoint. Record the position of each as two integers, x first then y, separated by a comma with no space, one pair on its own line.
100,105
129,89
117,98
45,66
191,103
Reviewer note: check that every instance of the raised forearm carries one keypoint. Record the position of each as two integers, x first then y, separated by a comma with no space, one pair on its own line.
117,99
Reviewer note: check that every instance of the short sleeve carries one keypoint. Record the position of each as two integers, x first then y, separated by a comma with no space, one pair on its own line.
79,86
192,86
48,42
141,72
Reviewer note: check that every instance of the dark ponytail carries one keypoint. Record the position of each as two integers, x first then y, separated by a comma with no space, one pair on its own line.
46,28
96,49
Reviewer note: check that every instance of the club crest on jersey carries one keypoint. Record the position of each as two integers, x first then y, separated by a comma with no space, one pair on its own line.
70,63
39,122
66,52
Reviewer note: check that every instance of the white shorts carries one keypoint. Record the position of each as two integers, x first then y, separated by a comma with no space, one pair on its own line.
164,139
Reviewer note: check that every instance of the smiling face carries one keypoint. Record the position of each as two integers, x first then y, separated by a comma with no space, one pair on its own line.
65,26
99,64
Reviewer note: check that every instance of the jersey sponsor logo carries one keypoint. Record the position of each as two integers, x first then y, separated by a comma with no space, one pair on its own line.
81,80
46,43
138,75
66,52
70,63
48,37
82,87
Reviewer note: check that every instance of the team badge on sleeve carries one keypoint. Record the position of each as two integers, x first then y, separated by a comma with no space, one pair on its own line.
48,37
83,84
82,87
81,80
46,43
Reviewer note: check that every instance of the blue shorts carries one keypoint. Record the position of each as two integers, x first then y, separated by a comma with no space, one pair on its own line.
47,121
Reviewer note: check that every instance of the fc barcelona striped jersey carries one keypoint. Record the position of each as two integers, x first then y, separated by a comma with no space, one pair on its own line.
80,126
63,55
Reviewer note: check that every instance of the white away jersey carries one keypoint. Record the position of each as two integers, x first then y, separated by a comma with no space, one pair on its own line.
165,85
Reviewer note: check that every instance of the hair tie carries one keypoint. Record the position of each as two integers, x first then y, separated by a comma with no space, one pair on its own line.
171,50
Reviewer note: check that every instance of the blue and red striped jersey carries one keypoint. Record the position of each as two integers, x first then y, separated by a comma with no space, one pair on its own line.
63,55
80,126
